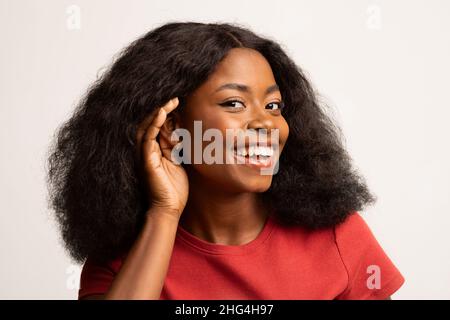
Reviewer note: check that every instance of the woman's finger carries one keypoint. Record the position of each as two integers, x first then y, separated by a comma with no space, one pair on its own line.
155,126
168,107
171,105
150,127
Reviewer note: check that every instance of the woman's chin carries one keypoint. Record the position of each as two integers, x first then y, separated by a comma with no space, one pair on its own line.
257,184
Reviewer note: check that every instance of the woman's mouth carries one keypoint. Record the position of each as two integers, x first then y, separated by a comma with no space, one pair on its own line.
254,155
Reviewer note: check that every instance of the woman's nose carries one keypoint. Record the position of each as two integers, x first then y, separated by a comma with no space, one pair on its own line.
261,119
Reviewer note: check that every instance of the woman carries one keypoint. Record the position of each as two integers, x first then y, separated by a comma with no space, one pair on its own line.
148,227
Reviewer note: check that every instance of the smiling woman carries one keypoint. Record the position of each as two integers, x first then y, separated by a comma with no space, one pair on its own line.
147,227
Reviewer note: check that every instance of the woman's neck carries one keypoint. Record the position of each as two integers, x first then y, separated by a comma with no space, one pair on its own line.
225,218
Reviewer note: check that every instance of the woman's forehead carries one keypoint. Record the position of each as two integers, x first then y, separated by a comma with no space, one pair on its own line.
241,66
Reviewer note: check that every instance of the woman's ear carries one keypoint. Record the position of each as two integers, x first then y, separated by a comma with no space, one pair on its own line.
171,124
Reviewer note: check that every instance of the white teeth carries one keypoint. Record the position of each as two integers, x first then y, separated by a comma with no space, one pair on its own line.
255,151
263,151
266,151
251,151
241,152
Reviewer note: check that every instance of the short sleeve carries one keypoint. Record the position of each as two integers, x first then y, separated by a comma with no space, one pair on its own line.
371,274
96,277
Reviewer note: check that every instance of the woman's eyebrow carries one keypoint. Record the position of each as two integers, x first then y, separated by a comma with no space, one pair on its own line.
245,88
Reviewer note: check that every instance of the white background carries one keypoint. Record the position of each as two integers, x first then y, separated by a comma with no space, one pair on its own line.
383,67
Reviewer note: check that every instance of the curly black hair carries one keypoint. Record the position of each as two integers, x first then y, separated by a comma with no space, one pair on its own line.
93,183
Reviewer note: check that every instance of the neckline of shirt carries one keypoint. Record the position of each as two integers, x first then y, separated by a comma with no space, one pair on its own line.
215,248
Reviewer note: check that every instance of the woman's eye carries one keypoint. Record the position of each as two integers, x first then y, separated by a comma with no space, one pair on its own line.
276,105
233,104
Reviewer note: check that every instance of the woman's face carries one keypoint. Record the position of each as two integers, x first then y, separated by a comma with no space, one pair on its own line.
251,104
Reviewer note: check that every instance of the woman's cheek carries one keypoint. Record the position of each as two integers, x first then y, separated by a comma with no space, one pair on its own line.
284,131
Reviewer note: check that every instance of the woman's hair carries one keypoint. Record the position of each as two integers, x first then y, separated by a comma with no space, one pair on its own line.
93,179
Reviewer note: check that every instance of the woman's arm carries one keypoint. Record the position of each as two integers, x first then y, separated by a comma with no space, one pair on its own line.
144,270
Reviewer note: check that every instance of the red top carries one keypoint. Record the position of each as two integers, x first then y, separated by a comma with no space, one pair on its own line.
342,262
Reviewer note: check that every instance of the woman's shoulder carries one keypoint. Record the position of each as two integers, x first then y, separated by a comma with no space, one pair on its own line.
98,274
353,224
111,264
352,234
370,271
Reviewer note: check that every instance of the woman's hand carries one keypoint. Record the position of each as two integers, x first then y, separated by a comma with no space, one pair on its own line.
166,182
